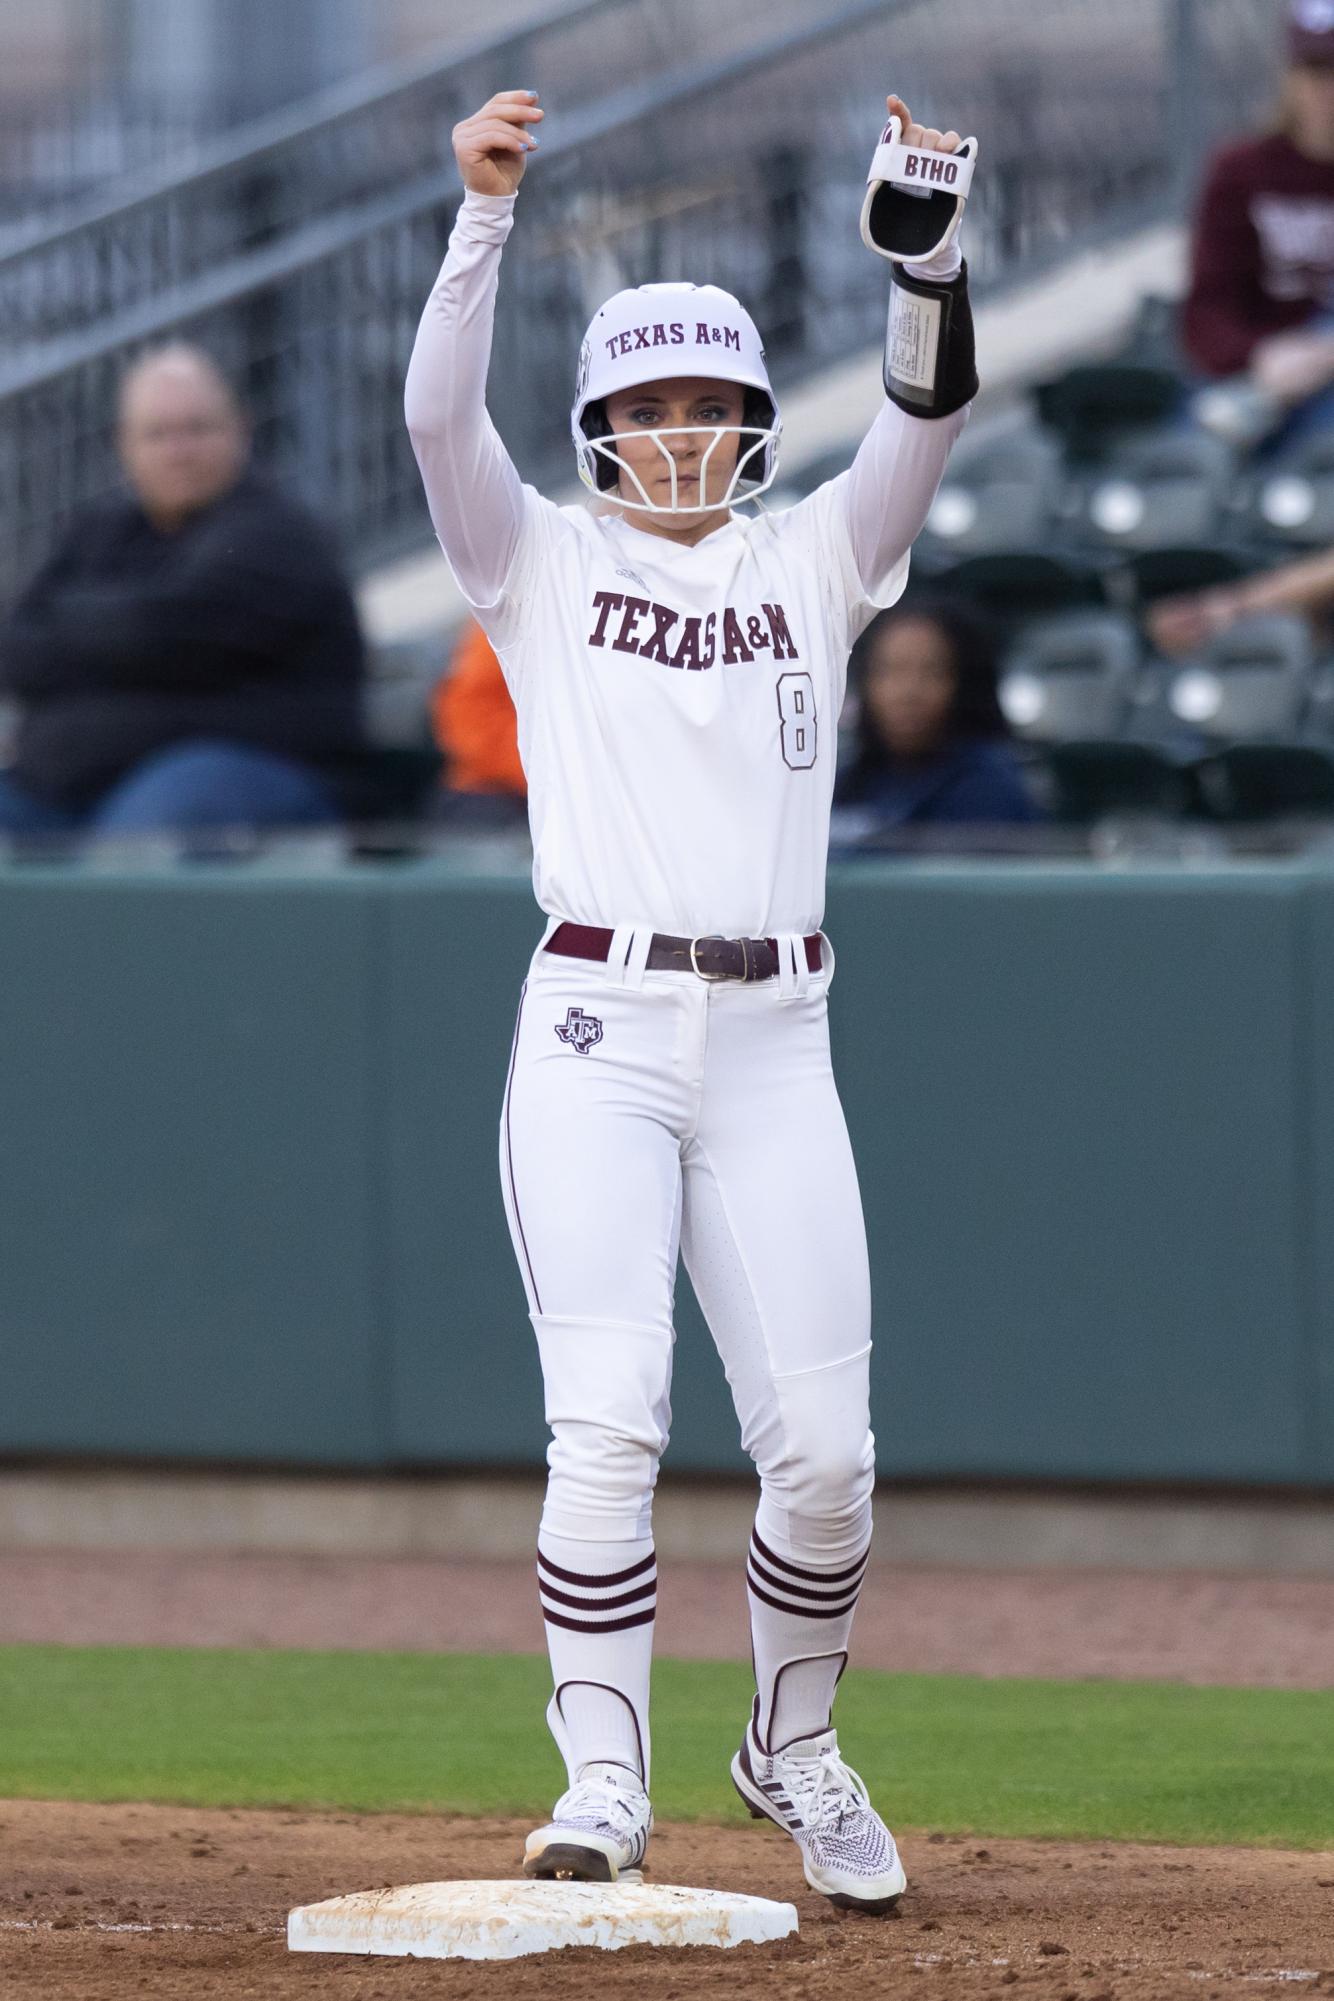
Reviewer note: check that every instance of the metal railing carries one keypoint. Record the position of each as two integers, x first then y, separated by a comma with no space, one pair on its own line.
51,156
350,144
93,90
704,172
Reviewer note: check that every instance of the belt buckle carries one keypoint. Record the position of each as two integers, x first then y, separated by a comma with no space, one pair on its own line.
709,938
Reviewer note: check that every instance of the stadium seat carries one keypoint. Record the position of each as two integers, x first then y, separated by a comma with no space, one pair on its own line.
1072,677
1153,337
1095,780
398,689
1014,586
997,494
1093,404
1165,487
1262,781
1252,681
1291,502
1319,727
1177,570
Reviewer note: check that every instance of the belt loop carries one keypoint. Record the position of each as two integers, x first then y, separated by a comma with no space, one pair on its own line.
622,944
628,955
800,967
641,941
794,975
787,968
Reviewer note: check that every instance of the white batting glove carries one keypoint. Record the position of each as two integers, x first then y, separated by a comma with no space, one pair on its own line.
915,197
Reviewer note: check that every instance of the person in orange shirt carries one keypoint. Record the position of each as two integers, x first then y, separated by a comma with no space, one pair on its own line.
473,721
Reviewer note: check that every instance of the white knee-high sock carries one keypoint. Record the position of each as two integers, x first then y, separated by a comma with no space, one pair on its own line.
598,1602
801,1614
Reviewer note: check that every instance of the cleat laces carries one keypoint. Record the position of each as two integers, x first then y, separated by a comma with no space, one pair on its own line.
595,1803
825,1791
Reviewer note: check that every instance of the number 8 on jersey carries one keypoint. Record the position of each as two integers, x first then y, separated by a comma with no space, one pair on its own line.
796,709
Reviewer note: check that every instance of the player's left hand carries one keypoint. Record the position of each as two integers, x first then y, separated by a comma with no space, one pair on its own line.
914,202
913,134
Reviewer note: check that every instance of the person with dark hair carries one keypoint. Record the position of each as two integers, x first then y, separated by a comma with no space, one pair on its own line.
932,740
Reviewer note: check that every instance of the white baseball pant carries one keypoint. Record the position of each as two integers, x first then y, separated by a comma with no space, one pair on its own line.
643,1113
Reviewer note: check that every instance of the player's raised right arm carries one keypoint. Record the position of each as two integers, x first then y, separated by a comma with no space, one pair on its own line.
472,487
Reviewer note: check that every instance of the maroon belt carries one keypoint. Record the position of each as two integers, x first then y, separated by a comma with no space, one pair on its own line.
709,958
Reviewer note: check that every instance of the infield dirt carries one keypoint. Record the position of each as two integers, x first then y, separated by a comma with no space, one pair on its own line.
102,1903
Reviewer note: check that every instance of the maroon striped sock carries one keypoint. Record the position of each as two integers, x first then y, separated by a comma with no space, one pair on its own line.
801,1614
598,1603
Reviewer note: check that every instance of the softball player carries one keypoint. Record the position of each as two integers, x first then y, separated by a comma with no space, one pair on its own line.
678,669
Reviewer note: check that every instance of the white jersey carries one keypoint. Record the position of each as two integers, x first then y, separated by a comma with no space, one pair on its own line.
678,705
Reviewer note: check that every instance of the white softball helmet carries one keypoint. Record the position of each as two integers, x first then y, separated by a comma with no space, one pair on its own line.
652,332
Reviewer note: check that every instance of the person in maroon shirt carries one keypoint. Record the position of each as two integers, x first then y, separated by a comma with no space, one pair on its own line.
1261,298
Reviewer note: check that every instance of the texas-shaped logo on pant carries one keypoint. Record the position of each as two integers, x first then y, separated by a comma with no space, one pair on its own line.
580,1030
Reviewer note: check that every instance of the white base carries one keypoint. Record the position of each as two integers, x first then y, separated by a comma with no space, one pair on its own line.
509,1920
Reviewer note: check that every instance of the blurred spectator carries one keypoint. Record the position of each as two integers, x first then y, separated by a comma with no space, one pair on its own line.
1183,624
932,740
190,655
476,728
1261,302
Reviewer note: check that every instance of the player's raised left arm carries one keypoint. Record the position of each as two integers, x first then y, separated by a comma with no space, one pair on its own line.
919,181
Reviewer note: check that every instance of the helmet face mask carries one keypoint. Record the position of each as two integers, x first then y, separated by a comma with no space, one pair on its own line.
661,332
616,477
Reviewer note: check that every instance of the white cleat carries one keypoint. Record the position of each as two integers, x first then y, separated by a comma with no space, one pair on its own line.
598,1830
846,1850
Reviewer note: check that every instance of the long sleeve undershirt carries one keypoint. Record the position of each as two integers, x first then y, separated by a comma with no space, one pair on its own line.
473,487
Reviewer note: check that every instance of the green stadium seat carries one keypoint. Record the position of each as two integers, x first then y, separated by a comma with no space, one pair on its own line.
1072,677
1098,780
997,493
1264,781
1152,490
1014,586
1175,570
1095,403
1253,681
1290,503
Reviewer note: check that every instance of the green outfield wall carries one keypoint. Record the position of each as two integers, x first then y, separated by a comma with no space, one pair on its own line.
249,1207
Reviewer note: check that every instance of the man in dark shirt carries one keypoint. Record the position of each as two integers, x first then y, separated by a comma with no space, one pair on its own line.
190,655
1261,297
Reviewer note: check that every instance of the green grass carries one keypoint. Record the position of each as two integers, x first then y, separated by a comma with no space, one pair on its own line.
464,1733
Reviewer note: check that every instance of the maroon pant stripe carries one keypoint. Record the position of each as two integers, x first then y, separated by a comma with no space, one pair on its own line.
509,1153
